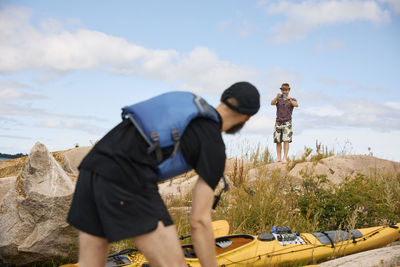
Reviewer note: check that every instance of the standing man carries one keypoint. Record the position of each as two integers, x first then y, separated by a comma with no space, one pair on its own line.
116,195
283,125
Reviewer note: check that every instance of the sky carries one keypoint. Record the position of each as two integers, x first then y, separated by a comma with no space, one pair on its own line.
68,67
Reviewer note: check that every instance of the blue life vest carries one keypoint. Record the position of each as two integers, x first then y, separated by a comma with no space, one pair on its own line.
162,120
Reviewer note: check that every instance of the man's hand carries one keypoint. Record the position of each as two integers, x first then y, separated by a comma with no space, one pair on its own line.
293,102
275,100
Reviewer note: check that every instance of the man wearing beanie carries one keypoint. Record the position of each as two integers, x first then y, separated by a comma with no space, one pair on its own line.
116,195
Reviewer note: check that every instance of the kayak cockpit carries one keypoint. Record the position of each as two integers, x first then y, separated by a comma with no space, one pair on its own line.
222,244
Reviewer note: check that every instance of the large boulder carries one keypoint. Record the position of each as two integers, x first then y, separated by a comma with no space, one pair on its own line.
34,210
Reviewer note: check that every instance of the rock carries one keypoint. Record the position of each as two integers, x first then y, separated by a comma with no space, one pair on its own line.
382,257
177,188
181,187
233,165
12,167
34,210
265,172
337,168
75,156
5,185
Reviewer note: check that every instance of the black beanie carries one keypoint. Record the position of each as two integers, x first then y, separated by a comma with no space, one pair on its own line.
246,94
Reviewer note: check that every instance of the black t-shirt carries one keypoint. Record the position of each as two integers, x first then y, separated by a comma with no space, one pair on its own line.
122,153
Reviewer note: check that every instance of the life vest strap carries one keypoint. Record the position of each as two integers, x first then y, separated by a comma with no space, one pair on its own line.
175,138
155,146
124,115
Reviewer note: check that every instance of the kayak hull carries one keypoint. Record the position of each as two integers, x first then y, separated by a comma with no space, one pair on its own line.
248,250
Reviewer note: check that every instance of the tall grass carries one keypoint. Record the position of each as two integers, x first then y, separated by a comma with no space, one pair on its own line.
310,205
314,204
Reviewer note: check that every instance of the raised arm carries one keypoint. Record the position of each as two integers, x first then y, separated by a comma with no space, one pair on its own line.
293,102
200,223
275,100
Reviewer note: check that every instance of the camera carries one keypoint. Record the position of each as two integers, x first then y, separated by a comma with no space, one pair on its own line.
283,95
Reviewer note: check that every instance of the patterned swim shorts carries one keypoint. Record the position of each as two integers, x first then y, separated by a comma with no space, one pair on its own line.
283,132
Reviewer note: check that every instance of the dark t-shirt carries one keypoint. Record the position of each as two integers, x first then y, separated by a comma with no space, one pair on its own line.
284,110
122,153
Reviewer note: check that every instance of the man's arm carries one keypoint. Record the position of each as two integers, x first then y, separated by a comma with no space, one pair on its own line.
200,223
293,102
275,100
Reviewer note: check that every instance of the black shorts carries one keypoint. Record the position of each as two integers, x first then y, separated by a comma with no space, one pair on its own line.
116,210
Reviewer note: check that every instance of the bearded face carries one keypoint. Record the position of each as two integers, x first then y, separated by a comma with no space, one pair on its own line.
236,128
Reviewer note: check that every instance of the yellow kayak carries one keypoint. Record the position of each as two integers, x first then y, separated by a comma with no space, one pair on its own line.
282,247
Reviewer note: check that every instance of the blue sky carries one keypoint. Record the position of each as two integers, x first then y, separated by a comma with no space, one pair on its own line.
67,67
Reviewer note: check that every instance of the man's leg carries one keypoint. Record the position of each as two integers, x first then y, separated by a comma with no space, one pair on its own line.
279,151
161,247
285,151
93,250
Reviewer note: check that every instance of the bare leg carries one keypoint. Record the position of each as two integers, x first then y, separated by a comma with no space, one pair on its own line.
279,151
285,151
93,250
161,247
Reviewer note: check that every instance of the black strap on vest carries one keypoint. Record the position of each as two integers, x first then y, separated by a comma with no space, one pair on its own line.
155,146
175,137
218,197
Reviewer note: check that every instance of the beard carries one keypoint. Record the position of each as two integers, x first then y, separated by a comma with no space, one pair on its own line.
236,128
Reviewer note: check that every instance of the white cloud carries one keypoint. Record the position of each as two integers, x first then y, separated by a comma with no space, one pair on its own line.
322,111
11,109
24,46
13,94
352,84
203,72
260,124
330,45
15,137
246,29
394,4
345,113
50,124
276,76
395,105
309,15
12,85
223,25
10,94
70,125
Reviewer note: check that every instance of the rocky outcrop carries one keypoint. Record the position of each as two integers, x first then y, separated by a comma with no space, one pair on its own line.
177,188
181,187
381,257
33,212
74,156
5,185
337,168
266,171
